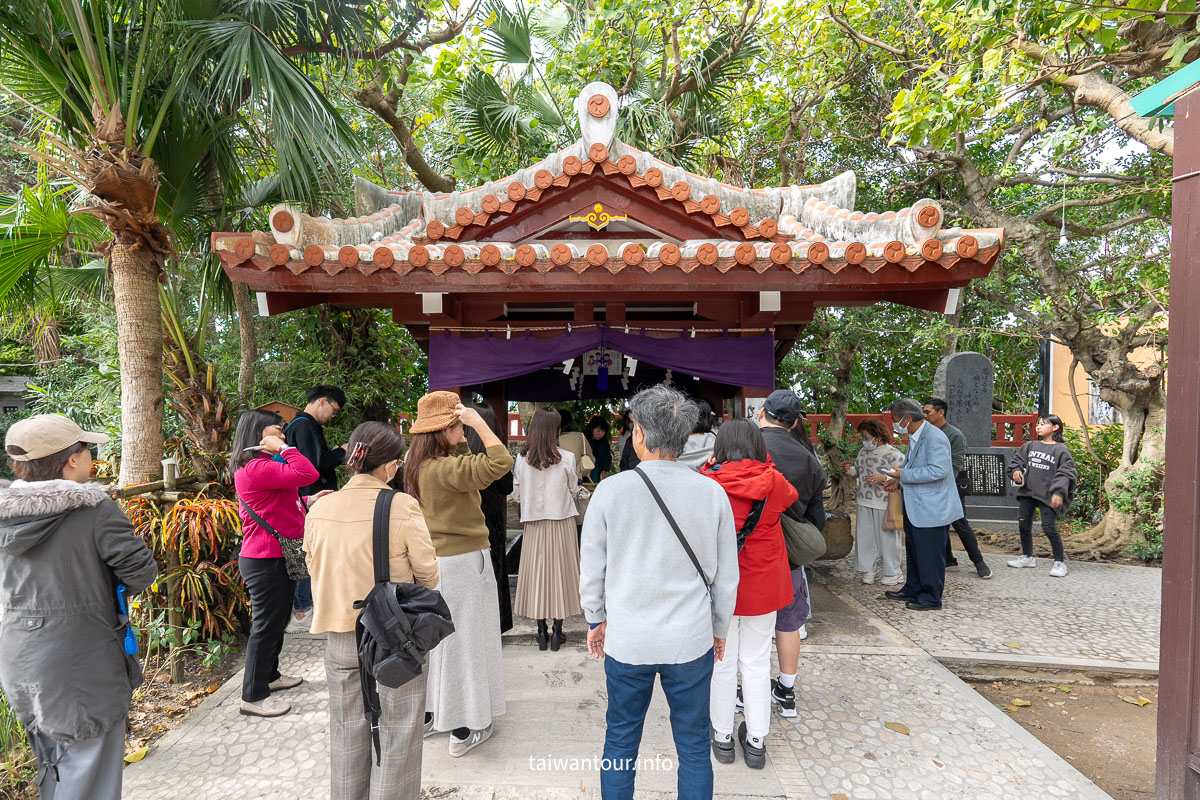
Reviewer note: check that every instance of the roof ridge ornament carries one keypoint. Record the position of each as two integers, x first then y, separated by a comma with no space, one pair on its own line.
596,107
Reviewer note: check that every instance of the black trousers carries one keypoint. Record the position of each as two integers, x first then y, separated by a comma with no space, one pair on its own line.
1025,509
966,534
271,592
925,562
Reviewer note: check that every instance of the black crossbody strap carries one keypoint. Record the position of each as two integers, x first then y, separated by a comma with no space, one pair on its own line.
259,521
381,536
756,509
675,527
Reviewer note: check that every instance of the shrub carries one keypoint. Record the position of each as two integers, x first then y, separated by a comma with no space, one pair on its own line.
1090,501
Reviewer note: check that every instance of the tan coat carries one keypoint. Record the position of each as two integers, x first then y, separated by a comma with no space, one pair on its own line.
337,541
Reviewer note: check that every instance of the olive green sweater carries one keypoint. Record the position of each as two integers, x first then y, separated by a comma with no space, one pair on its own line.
450,497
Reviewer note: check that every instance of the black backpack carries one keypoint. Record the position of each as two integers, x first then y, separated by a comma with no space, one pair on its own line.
399,624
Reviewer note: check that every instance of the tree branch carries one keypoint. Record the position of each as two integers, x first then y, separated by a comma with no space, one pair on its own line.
372,97
1094,91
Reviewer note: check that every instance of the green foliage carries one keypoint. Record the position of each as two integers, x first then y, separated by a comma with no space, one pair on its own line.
1138,494
17,766
1091,501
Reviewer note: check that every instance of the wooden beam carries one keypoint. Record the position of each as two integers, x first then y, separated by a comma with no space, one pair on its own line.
1179,668
585,312
614,313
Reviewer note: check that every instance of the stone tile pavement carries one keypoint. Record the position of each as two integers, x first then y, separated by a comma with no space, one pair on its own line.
864,665
1099,615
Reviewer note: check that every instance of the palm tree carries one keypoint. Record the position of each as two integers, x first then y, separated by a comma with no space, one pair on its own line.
670,104
140,103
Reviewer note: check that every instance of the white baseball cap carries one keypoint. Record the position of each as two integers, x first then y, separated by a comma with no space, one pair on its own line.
45,435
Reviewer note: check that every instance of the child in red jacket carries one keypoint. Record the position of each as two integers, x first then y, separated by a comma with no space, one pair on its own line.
741,465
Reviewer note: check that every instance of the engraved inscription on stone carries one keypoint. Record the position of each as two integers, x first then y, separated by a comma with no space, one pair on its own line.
985,472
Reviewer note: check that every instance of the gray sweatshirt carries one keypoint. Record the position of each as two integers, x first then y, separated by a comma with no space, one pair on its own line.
635,574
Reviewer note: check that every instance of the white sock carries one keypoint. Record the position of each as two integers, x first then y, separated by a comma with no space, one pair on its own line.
755,741
723,737
788,681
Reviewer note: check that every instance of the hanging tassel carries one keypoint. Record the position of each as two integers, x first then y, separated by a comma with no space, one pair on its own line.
602,378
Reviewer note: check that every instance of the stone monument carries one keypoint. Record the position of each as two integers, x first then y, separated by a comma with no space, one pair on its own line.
966,381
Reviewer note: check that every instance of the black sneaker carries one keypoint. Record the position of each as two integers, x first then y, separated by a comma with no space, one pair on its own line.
739,705
785,699
983,570
951,563
722,751
756,757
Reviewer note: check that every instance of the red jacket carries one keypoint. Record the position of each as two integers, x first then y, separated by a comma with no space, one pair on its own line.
269,487
765,583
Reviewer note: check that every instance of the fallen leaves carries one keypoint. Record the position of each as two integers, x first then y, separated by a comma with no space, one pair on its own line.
898,727
1021,703
838,796
1012,645
1136,701
136,755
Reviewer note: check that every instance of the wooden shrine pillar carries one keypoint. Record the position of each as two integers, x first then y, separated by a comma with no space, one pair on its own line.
495,395
1178,766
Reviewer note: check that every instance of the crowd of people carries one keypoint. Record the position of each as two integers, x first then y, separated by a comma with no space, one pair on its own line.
680,559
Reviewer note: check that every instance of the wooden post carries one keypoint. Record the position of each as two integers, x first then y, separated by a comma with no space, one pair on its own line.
1178,766
174,598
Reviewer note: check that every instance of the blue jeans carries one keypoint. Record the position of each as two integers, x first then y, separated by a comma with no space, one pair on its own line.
630,687
302,598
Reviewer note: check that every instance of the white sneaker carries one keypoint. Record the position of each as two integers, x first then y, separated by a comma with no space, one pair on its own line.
1024,561
867,577
1059,570
300,624
460,747
891,580
803,633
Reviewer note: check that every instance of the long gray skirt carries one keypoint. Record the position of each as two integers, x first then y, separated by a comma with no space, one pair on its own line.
466,672
548,580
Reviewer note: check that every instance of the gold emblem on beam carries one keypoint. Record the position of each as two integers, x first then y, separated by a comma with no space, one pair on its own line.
599,218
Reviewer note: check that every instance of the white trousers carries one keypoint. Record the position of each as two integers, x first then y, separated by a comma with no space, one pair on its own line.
871,542
747,648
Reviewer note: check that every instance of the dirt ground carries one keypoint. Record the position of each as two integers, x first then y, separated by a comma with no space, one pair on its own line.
1109,739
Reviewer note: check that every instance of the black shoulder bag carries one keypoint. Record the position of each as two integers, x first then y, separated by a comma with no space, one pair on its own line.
675,527
293,549
399,624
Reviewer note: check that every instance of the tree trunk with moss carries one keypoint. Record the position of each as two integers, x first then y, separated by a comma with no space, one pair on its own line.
842,487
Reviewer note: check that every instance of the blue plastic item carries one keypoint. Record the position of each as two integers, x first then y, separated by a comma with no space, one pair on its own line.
131,643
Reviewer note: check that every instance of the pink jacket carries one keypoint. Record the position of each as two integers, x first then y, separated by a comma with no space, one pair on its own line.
269,488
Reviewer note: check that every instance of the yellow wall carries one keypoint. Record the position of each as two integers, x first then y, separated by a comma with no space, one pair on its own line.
1061,387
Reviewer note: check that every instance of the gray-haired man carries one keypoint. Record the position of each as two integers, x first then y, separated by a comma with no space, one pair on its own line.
655,605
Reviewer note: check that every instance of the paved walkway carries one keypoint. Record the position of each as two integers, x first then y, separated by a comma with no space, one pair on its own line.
1099,616
864,668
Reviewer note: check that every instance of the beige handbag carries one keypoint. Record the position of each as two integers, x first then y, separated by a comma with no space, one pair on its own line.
893,517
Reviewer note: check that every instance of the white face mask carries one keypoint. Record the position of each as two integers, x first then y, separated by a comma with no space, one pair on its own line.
899,427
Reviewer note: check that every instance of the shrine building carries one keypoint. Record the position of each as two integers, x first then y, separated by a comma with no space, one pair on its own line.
601,269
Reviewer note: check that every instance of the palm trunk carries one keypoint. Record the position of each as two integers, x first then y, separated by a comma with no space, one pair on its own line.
249,341
140,348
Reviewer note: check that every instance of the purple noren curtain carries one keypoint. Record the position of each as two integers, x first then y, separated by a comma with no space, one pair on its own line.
735,360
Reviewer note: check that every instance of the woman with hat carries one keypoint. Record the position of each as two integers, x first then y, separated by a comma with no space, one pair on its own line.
65,547
466,682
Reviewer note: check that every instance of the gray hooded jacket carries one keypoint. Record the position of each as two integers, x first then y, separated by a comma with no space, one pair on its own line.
64,547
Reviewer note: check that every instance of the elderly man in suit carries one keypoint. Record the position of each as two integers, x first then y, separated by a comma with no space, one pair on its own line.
930,504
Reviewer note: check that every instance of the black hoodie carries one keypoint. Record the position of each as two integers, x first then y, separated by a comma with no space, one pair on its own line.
1049,469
